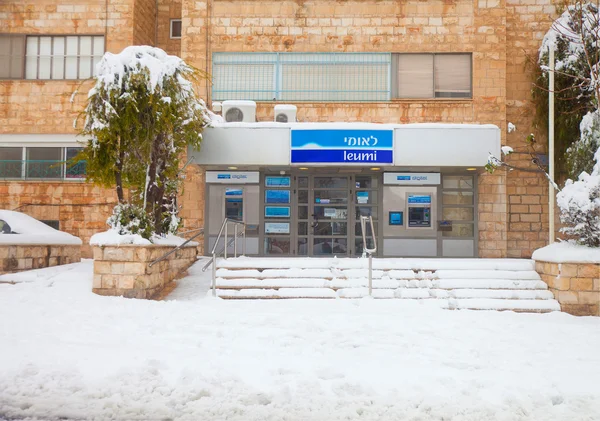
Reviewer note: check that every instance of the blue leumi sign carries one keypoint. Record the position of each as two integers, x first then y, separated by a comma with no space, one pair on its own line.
337,146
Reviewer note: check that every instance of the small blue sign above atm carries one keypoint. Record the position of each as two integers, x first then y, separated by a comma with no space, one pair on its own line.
354,147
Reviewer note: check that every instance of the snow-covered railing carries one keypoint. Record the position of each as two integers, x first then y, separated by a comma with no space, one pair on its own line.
226,244
363,226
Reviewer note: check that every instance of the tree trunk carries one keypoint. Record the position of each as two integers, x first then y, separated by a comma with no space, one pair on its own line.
119,178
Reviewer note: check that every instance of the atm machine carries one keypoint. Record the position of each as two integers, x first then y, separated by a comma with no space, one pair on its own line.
234,195
409,215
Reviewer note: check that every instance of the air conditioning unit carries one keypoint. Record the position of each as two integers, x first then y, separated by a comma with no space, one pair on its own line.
285,113
239,111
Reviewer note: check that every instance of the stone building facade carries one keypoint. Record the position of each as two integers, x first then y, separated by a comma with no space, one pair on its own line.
501,35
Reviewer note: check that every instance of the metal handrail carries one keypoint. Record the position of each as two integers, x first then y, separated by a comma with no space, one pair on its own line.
363,226
164,256
226,245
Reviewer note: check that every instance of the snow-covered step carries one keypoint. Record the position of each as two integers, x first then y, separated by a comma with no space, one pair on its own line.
496,304
487,274
487,284
250,293
274,283
378,263
504,294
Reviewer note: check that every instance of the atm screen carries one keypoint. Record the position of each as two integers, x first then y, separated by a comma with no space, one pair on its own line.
419,217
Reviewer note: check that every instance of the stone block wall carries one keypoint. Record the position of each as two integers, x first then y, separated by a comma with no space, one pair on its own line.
167,10
125,270
576,286
81,208
20,257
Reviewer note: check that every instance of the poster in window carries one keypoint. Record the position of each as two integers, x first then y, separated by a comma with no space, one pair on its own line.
277,196
277,227
277,211
276,181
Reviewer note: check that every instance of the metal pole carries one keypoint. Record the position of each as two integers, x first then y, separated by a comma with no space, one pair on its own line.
225,251
235,240
244,243
370,275
551,145
214,275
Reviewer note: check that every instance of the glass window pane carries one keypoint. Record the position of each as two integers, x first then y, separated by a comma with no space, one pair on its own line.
44,163
85,46
358,245
302,196
457,198
303,246
415,76
330,182
366,197
12,50
330,228
98,46
32,58
365,211
302,212
330,212
44,67
303,182
329,246
85,67
11,162
452,75
331,197
457,214
71,68
45,46
58,58
302,228
175,29
72,49
366,182
358,229
74,169
457,182
279,245
459,230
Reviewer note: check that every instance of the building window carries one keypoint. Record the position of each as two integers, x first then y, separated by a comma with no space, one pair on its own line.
302,76
458,205
340,76
12,55
51,223
175,28
433,76
62,57
41,163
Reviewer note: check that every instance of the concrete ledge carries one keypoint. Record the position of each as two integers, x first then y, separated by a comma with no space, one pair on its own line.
20,257
125,270
576,286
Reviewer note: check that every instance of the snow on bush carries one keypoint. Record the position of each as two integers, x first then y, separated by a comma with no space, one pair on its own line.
579,201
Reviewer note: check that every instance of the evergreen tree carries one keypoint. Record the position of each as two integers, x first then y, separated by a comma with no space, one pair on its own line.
141,116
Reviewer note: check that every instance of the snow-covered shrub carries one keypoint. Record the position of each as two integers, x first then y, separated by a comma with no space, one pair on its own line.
130,219
141,116
580,155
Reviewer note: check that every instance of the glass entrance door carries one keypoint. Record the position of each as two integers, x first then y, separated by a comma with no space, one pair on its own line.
324,208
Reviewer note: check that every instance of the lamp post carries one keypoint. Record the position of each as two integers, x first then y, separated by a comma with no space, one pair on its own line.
551,144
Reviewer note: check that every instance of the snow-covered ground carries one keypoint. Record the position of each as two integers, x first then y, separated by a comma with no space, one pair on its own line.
66,353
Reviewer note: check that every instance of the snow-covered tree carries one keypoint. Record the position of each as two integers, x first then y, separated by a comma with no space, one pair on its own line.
575,38
140,118
579,202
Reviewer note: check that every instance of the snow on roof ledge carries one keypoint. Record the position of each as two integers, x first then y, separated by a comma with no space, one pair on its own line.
566,252
30,231
353,125
113,238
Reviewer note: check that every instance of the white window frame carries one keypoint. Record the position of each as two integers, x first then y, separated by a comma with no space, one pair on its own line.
171,29
94,56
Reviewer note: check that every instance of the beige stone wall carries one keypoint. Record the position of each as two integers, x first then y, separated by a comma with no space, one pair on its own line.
576,286
144,22
81,208
167,10
125,270
17,258
527,22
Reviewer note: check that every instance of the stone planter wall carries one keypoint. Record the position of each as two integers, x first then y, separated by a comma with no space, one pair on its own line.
20,257
576,286
125,270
